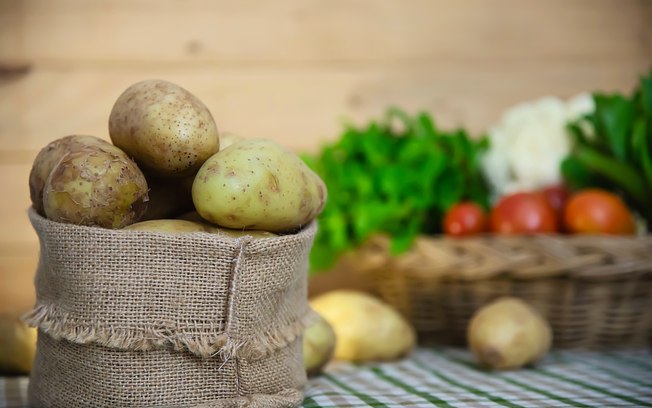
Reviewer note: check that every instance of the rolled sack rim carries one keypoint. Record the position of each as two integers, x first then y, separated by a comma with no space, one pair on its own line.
225,341
307,231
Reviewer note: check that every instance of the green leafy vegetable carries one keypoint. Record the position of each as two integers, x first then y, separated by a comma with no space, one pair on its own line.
612,147
396,176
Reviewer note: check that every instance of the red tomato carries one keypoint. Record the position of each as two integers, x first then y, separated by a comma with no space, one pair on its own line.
465,218
557,196
523,213
598,211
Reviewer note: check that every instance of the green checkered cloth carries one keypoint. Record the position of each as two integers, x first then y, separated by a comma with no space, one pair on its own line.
450,377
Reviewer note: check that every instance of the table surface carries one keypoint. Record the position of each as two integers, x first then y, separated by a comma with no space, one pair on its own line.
450,377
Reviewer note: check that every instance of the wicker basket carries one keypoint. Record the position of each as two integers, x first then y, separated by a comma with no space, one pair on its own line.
596,291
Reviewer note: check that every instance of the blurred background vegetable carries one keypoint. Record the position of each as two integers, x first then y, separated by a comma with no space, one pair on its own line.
397,175
529,142
612,147
465,218
598,211
524,213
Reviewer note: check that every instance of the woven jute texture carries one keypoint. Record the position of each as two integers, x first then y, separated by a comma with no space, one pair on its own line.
596,291
140,318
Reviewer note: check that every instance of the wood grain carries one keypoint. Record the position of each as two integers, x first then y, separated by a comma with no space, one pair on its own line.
318,31
292,70
16,282
300,108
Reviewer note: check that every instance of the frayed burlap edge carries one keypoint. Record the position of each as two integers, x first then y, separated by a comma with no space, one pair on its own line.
59,325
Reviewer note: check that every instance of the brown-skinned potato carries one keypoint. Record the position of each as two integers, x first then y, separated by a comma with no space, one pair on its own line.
96,186
165,128
48,158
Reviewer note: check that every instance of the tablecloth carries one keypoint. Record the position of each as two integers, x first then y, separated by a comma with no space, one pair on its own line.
450,377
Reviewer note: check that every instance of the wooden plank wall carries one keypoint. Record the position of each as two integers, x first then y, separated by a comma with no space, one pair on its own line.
290,70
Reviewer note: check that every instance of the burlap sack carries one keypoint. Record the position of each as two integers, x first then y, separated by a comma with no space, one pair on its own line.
139,318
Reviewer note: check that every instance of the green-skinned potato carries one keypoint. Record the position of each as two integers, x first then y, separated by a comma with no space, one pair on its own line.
96,187
508,333
168,197
194,216
318,346
257,184
227,139
172,226
48,157
166,129
366,328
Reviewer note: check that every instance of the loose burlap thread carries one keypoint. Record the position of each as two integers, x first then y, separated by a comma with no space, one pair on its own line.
141,318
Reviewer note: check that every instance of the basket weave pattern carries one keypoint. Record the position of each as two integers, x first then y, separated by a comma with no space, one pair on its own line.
595,291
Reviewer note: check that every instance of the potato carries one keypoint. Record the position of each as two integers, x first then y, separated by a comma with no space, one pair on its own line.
168,197
194,223
97,186
366,328
228,139
233,233
318,346
165,128
171,226
17,346
48,157
508,333
257,184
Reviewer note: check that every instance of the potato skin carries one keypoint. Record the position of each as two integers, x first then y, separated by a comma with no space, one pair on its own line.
508,333
227,139
47,159
17,346
233,233
225,232
318,346
165,128
172,226
258,184
366,328
96,187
